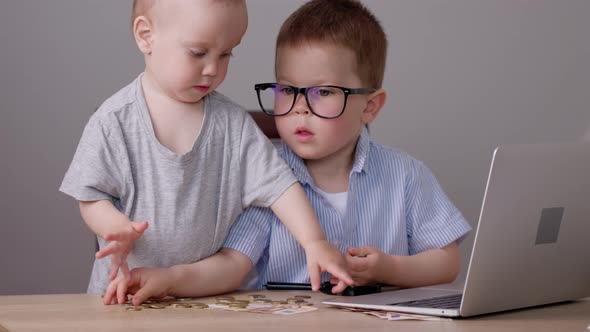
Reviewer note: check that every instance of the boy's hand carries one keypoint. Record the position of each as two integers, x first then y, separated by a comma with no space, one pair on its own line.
365,264
145,283
120,243
321,256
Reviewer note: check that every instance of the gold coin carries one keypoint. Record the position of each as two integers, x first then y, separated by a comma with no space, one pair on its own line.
257,296
225,298
302,297
200,305
262,300
182,305
238,305
155,306
185,299
226,301
134,308
295,301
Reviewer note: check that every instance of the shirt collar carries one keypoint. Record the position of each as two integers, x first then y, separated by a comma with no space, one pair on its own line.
360,163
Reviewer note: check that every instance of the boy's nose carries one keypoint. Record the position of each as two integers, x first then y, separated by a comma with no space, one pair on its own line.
301,106
210,68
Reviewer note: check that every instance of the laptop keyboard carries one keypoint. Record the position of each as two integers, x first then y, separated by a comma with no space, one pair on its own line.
442,302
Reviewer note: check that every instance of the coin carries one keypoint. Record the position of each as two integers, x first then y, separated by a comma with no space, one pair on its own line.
302,297
295,300
198,305
225,298
262,301
155,306
133,308
185,299
257,296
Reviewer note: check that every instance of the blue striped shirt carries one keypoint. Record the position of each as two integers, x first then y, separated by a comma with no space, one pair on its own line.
394,204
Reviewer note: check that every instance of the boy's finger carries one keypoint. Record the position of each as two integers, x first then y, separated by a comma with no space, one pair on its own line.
138,298
125,270
122,291
360,251
142,295
108,295
352,251
139,226
341,274
314,276
114,271
106,251
339,288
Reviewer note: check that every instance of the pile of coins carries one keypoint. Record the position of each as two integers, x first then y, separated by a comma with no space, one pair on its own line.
185,303
221,301
232,302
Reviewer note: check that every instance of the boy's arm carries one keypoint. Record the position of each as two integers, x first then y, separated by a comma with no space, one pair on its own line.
295,211
369,265
110,224
217,274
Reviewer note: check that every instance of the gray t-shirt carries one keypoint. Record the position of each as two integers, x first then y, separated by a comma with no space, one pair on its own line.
190,201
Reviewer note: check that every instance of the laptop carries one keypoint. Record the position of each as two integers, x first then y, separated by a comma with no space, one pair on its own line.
532,244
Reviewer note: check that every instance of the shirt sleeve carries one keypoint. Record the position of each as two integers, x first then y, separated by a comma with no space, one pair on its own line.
432,220
250,234
96,171
266,176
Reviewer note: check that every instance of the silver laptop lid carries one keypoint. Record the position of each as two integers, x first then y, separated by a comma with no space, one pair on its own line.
532,244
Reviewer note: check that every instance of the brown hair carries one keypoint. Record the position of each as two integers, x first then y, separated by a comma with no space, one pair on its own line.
346,23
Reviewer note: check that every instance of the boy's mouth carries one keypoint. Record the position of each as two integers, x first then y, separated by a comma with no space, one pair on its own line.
202,88
302,134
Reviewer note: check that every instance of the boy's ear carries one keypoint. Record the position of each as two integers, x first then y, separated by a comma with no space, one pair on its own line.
375,103
142,32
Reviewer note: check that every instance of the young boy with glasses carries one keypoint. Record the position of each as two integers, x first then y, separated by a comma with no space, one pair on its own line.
171,150
380,206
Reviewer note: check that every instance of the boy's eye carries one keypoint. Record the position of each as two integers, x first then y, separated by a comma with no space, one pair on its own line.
197,53
226,54
286,90
322,92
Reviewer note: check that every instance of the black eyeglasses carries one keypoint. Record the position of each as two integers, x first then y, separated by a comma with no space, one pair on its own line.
325,101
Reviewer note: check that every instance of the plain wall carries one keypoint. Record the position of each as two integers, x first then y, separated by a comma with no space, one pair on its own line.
462,77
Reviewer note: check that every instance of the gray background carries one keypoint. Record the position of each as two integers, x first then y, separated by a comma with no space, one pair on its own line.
462,75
